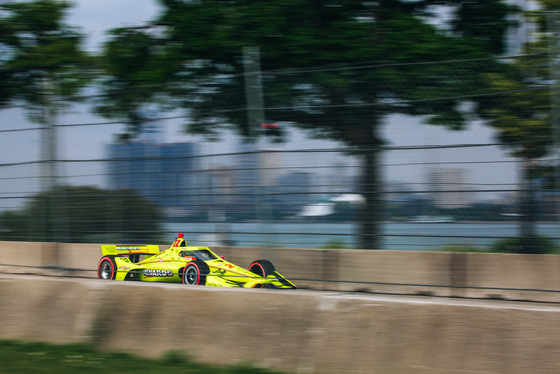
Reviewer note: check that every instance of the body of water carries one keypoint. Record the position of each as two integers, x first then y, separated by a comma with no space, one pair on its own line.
396,236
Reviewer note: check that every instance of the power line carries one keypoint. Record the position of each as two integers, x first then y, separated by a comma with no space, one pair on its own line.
299,107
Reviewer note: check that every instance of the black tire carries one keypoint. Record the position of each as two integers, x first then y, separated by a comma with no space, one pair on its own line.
107,268
262,268
194,274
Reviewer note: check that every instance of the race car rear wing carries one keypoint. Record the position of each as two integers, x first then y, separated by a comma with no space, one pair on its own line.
120,250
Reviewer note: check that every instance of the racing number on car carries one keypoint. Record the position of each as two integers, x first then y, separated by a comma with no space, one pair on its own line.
176,243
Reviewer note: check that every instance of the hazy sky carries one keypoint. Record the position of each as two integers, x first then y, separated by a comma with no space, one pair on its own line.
95,17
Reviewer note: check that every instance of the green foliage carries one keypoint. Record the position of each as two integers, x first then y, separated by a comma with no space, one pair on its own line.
137,68
40,53
83,214
11,225
203,71
424,207
334,244
196,63
533,245
485,22
547,177
460,248
23,358
522,114
521,117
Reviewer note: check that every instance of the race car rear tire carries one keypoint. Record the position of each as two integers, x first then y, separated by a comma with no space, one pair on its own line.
107,268
262,268
194,274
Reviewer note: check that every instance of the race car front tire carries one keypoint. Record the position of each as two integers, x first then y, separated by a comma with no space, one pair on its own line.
262,268
194,274
107,268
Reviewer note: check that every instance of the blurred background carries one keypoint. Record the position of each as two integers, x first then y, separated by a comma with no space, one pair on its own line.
399,125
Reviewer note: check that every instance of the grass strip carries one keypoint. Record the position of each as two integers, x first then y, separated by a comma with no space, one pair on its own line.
38,358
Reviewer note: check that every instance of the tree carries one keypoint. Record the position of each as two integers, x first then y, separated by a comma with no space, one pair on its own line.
522,117
522,122
201,43
43,65
83,214
483,21
136,67
40,55
42,68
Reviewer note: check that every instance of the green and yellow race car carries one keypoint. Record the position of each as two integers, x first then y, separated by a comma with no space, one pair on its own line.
181,263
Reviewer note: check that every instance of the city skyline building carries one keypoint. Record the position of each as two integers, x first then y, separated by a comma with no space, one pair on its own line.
163,173
448,187
246,175
293,190
218,196
400,192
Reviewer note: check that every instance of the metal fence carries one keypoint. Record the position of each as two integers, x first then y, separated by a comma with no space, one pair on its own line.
436,195
441,188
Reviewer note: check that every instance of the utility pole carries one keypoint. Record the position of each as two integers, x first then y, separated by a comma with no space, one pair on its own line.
49,151
50,172
253,90
255,119
553,25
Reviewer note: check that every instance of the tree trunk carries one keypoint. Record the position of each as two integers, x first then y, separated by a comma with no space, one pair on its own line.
372,213
527,212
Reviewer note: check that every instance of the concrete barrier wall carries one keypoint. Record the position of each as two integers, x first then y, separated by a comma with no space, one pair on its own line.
473,275
294,331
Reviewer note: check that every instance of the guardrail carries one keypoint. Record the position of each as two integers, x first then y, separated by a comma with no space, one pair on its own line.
445,274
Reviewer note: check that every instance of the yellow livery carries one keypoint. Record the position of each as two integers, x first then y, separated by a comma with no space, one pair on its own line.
188,265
